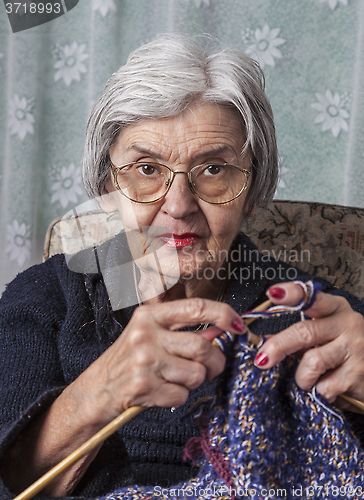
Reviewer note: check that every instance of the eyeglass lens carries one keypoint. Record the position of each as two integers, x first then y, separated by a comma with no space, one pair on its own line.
148,182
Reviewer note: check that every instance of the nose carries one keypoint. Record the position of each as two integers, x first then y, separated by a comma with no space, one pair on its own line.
180,201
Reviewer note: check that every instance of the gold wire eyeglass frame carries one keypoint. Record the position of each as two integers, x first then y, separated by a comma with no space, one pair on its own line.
116,169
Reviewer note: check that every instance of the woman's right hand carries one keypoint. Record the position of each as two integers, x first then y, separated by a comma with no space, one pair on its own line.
152,364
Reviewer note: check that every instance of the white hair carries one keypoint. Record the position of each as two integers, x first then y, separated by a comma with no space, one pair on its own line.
162,79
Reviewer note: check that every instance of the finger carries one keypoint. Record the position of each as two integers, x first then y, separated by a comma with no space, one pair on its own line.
333,316
291,294
165,396
300,336
187,373
317,362
211,333
331,384
194,347
340,381
345,379
189,312
170,395
288,294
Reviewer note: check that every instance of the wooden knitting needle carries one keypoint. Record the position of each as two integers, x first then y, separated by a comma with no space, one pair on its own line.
354,402
255,339
88,446
121,420
103,434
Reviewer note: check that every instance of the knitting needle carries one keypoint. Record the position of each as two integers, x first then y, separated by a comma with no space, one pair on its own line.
103,434
121,420
88,446
354,402
255,340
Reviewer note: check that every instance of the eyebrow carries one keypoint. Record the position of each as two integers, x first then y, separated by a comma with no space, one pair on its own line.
214,152
145,151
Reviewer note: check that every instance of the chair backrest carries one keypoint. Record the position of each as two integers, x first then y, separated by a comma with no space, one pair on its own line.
72,233
326,240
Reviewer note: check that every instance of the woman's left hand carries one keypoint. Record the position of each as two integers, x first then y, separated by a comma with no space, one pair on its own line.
331,346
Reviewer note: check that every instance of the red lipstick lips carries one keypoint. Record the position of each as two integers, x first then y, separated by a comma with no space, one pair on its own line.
172,240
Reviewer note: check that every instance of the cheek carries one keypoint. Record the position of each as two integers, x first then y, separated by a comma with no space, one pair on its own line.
224,222
135,216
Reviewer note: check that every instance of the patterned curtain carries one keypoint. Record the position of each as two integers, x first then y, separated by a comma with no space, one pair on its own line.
312,52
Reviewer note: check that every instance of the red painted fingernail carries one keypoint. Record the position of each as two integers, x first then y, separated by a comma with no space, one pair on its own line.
277,292
261,359
238,325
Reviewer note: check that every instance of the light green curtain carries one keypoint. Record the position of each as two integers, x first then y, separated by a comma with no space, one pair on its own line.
312,52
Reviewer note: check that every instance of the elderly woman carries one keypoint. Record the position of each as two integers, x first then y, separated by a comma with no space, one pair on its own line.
181,143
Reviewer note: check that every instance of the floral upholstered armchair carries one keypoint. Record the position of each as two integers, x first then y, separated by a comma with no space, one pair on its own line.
326,240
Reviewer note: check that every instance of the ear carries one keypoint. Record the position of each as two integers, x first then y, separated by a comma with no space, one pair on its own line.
108,200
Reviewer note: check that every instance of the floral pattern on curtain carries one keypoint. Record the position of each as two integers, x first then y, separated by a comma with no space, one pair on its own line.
312,52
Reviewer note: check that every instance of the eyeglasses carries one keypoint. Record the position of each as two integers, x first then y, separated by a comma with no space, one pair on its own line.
147,182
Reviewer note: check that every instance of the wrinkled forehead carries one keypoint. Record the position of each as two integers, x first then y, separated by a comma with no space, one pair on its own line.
201,129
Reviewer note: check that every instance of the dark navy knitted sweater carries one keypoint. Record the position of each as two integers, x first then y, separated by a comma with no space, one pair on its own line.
54,323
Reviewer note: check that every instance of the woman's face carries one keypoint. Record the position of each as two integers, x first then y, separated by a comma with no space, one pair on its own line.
195,235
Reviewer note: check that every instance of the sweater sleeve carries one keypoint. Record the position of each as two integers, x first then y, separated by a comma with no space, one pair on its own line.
31,310
46,327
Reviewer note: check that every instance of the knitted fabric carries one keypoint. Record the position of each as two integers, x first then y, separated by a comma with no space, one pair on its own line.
264,437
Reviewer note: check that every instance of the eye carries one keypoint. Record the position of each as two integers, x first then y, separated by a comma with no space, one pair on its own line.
147,169
213,170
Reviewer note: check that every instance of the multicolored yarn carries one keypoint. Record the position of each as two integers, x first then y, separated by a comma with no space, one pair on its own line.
224,342
310,291
263,437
